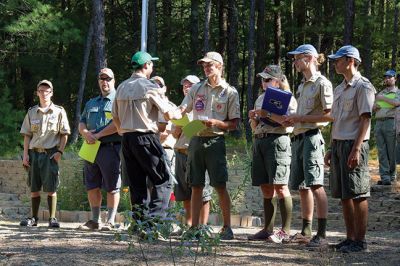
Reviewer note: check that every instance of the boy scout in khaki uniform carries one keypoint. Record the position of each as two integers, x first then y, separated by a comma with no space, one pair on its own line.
135,114
182,190
45,129
348,159
271,158
314,98
216,103
385,129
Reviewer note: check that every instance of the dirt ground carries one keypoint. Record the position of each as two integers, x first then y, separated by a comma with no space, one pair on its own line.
70,246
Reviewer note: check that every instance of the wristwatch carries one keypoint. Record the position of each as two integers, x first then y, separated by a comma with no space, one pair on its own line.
269,115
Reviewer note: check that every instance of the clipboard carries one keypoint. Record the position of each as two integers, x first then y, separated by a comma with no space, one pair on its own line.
276,101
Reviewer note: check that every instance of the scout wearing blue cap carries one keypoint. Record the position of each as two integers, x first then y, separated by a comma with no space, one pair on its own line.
305,49
390,73
348,51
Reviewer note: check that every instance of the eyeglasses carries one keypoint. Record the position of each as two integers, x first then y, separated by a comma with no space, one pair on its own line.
45,91
266,80
106,79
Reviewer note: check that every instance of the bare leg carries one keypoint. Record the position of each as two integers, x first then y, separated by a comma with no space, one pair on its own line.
360,218
204,212
196,204
225,204
188,212
348,214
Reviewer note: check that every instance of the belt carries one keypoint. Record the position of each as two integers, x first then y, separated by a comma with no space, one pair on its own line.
41,150
264,135
310,132
110,143
167,148
384,118
183,151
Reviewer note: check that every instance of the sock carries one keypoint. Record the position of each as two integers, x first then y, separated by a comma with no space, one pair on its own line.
321,227
96,214
35,206
269,213
111,215
52,202
307,228
286,206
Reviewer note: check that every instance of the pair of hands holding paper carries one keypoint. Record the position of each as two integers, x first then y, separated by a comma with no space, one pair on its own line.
285,120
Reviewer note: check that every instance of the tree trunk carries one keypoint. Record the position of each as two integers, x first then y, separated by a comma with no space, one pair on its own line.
349,22
278,32
367,39
395,34
136,25
250,69
194,35
222,25
233,58
99,35
166,33
82,81
261,44
207,18
152,28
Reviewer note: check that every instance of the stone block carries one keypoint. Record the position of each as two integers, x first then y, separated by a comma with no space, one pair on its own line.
83,216
214,219
68,216
235,220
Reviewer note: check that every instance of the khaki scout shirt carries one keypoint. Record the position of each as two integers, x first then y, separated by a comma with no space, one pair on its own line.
313,97
388,112
183,141
220,102
266,128
45,128
351,100
137,104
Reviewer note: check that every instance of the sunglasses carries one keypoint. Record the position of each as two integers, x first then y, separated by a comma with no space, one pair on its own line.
266,80
106,79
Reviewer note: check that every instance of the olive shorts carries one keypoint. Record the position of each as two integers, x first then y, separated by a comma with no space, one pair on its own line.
271,160
307,166
207,154
43,171
346,183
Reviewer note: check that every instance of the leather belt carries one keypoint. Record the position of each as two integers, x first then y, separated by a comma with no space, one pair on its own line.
41,150
110,143
264,135
183,151
310,132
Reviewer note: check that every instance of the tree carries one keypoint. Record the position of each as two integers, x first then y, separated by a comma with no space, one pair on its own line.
278,32
152,28
194,34
222,26
250,65
99,35
207,18
395,34
233,58
348,22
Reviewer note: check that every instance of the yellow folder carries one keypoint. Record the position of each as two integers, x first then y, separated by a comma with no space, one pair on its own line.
384,104
193,128
88,152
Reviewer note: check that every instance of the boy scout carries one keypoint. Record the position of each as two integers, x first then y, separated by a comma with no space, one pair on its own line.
104,173
182,190
216,103
135,114
45,129
314,98
351,112
385,106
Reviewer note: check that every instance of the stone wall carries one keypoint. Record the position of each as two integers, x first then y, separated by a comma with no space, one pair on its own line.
246,200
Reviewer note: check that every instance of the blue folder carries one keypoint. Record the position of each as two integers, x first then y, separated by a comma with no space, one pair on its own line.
276,101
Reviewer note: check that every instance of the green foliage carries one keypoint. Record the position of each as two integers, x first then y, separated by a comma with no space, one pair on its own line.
10,122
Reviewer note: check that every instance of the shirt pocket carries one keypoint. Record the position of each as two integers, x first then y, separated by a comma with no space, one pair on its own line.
348,101
52,124
309,102
35,125
220,105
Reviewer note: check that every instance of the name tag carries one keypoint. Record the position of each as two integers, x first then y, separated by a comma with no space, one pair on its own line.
94,109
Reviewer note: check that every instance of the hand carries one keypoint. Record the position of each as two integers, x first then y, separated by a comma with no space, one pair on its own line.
89,137
211,122
376,107
163,136
56,156
292,119
354,158
327,158
261,113
25,161
252,114
286,121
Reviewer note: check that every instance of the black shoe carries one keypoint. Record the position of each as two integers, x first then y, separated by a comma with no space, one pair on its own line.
355,246
53,223
30,221
384,183
343,243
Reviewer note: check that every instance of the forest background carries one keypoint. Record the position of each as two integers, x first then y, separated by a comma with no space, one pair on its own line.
68,41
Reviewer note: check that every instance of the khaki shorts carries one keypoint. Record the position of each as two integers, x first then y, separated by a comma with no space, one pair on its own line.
271,160
346,183
43,171
207,154
307,167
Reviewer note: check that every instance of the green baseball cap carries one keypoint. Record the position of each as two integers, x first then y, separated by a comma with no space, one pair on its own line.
140,58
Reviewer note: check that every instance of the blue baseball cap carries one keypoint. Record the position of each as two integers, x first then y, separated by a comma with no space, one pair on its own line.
305,49
390,73
347,50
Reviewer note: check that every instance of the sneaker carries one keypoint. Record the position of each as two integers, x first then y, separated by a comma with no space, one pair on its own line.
279,236
297,238
226,233
384,183
355,246
343,243
317,242
30,221
91,225
261,235
107,227
53,223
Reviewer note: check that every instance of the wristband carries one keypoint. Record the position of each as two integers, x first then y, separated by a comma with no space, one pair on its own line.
60,152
